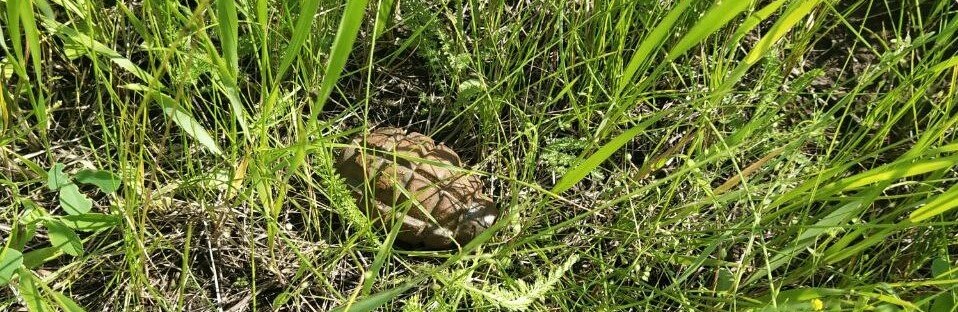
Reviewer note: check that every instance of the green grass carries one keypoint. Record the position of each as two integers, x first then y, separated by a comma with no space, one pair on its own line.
646,155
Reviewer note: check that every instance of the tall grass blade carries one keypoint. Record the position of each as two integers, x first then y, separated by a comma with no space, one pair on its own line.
902,168
897,170
795,12
375,301
748,171
384,17
643,54
582,169
830,222
843,250
261,29
187,123
228,29
798,10
74,36
300,33
13,30
717,16
342,45
936,206
28,24
945,65
182,118
756,18
231,91
227,60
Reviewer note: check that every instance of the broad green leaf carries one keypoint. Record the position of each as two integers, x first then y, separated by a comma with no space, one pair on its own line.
74,202
32,212
30,292
90,222
22,234
724,280
64,238
66,303
35,258
940,204
940,269
108,182
56,178
10,261
185,120
582,169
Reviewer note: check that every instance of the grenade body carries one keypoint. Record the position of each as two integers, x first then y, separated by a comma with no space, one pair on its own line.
411,177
